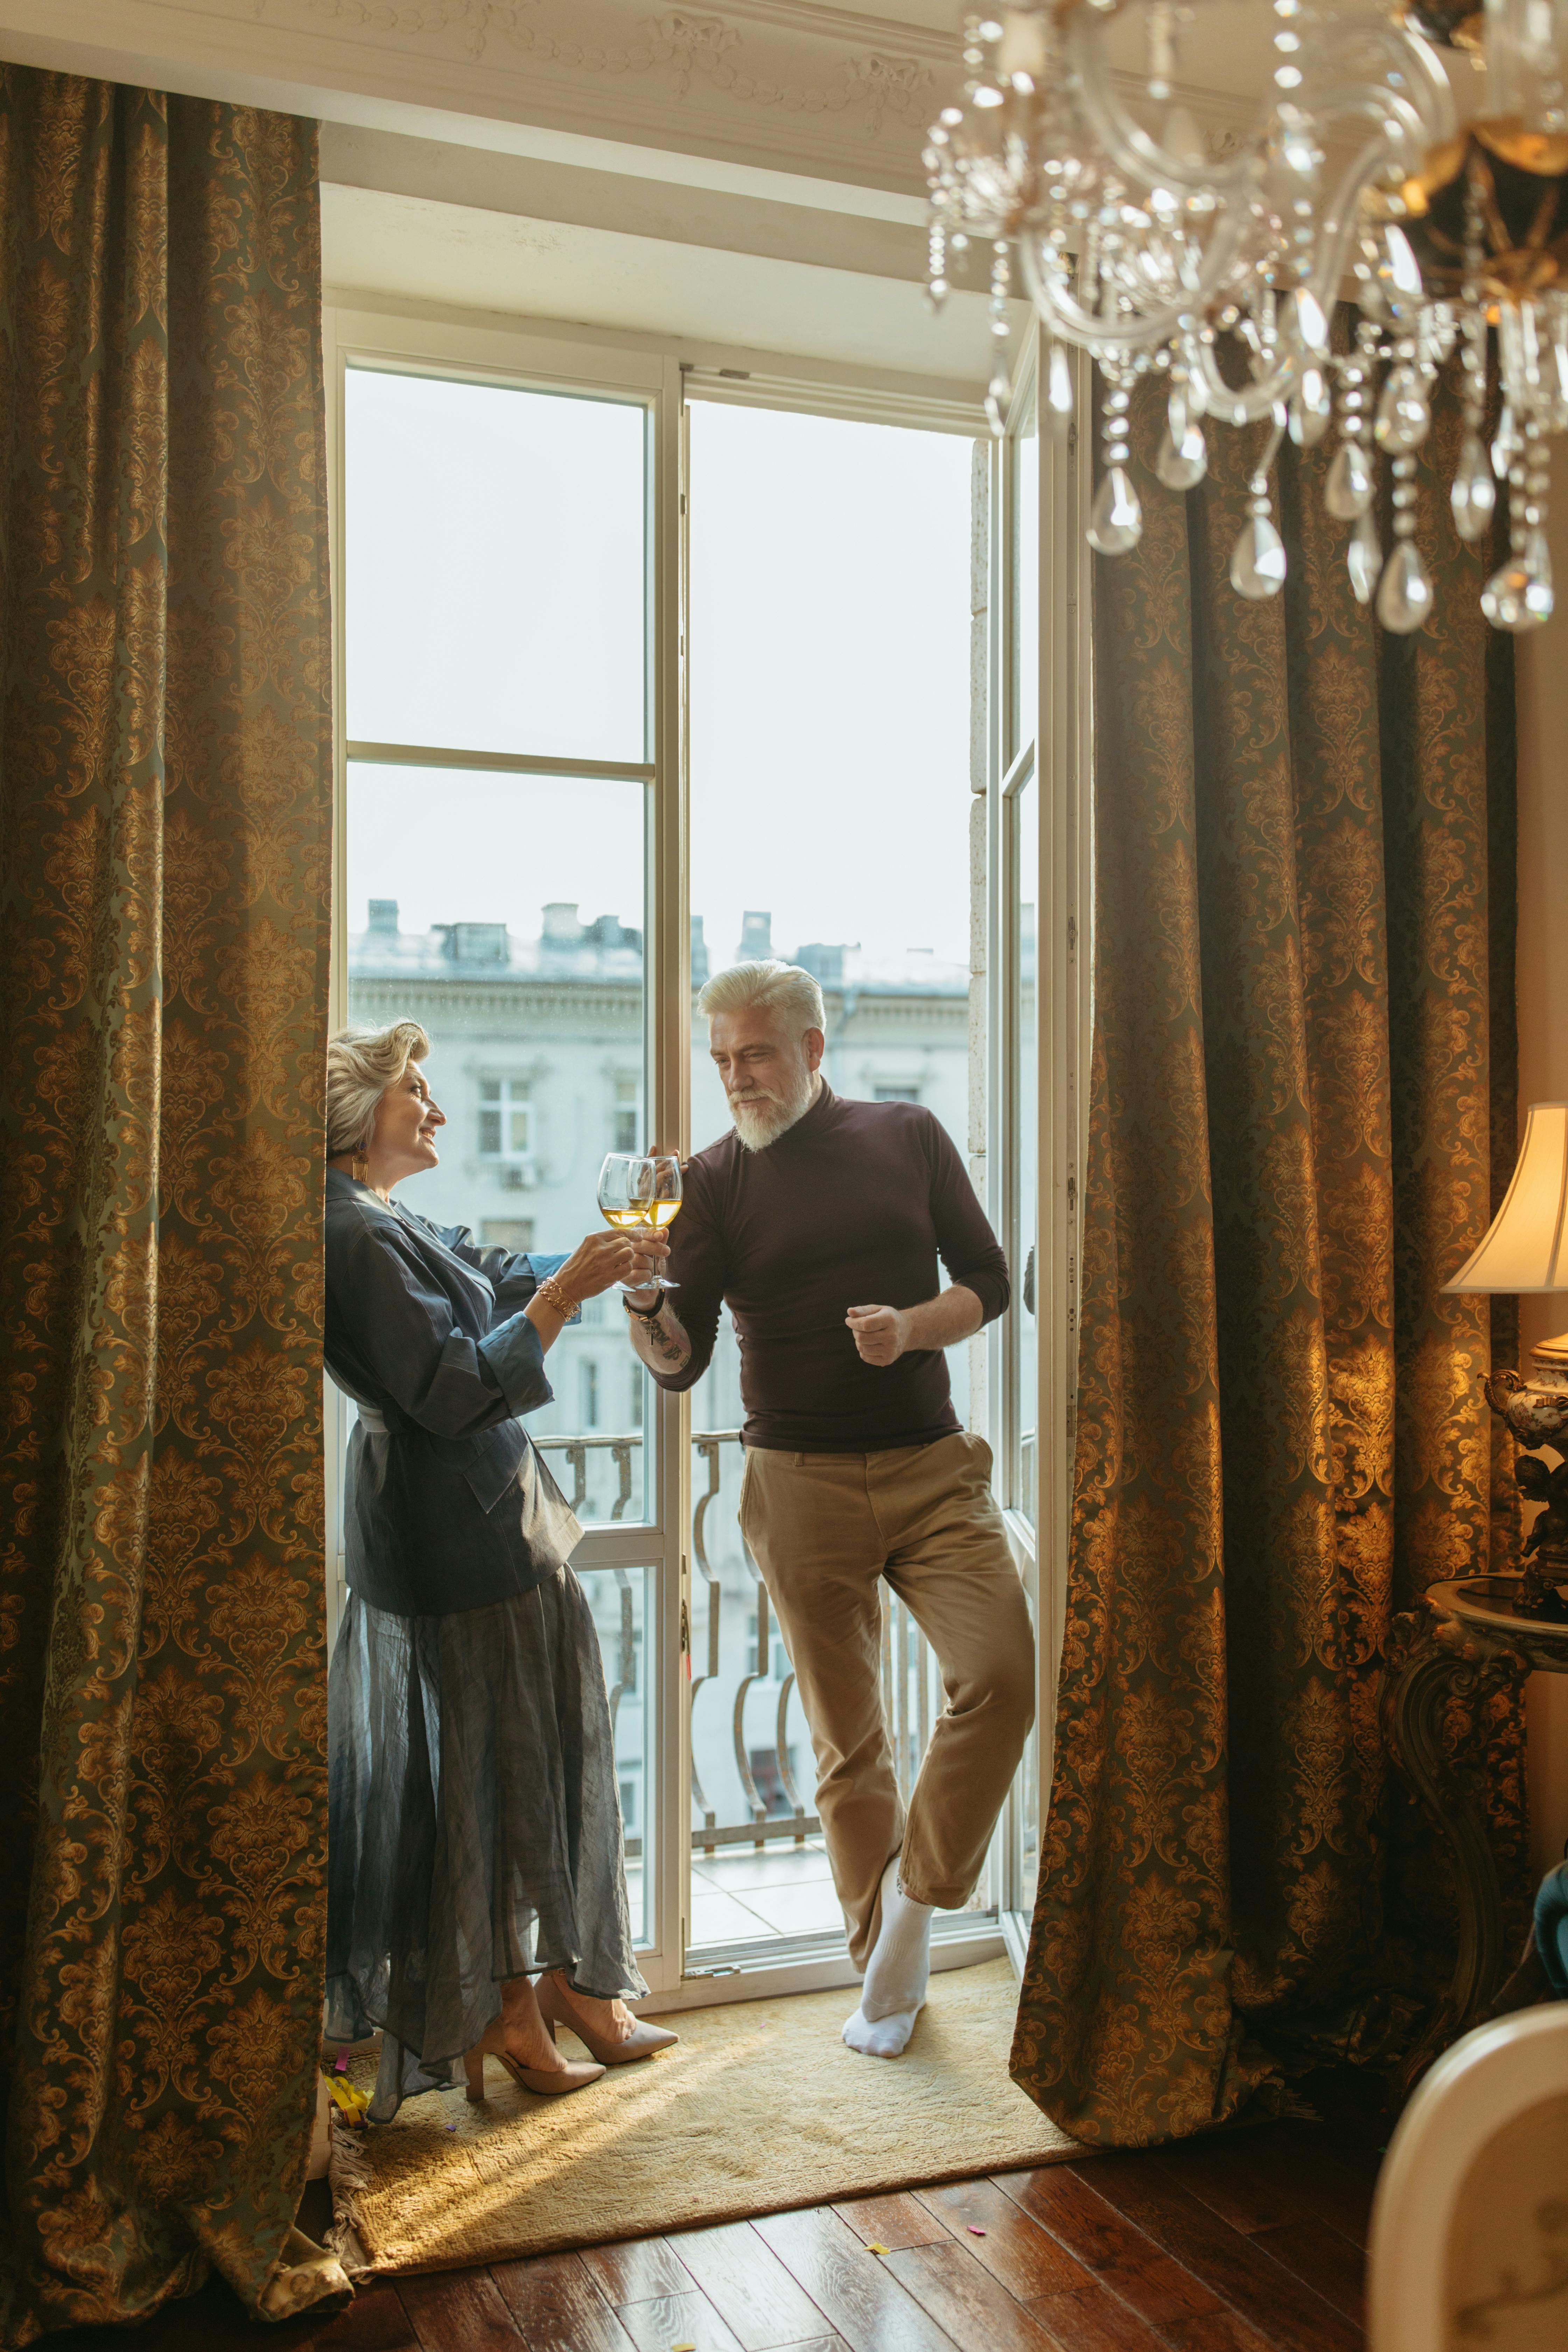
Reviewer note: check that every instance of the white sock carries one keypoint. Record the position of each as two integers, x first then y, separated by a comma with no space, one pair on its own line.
896,1975
882,2037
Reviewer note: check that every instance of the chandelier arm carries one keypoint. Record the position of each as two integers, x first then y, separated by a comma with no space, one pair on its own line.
1129,147
1067,317
1341,222
1407,49
1245,403
1424,118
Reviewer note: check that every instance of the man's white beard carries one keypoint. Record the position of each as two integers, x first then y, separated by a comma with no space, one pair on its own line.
758,1124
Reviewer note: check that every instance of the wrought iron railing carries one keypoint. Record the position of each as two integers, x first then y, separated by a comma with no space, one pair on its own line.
911,1692
576,1452
761,1826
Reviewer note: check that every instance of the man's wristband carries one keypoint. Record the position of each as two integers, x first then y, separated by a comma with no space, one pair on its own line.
647,1312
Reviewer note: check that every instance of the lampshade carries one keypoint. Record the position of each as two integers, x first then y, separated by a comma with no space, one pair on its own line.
1525,1247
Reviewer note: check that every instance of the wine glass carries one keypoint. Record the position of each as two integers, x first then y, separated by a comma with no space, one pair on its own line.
640,1193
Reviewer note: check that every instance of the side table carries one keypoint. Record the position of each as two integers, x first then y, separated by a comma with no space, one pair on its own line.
1466,1641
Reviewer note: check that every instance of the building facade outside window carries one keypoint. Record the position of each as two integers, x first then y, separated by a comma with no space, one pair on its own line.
505,1117
508,1232
627,1121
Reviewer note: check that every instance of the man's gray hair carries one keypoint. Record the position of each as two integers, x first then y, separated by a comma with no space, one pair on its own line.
784,989
361,1065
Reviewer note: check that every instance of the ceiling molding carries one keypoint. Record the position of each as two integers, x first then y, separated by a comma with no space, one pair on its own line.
826,91
818,92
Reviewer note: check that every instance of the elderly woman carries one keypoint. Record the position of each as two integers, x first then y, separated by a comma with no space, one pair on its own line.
475,1822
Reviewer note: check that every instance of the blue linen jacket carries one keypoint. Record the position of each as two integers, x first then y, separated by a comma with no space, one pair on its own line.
447,1505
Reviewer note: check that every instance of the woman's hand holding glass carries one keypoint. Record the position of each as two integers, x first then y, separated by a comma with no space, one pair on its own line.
600,1261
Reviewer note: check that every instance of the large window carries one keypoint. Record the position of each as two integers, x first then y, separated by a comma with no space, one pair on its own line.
577,778
831,697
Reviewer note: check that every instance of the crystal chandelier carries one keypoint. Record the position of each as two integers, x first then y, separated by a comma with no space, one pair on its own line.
1359,175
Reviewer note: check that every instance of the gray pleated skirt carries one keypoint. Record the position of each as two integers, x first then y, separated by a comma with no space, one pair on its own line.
474,1825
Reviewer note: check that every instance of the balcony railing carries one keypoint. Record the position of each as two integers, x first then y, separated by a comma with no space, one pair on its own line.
761,1825
731,1675
576,1451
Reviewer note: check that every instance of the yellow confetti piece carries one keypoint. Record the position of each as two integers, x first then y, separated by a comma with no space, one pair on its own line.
873,2248
686,2347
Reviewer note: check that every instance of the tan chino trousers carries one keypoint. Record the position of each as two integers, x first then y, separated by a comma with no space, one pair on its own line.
825,1528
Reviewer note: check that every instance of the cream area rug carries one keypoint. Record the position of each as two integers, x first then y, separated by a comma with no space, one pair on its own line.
759,2108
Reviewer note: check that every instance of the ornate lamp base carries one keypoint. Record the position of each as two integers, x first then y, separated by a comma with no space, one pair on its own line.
1536,1412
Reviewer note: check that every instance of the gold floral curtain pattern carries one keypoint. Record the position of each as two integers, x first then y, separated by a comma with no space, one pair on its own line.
165,823
1303,1116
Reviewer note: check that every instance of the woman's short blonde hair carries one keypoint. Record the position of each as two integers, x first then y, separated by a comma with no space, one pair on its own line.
790,993
361,1065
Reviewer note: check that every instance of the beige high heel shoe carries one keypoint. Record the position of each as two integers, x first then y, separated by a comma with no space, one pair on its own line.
552,2083
557,2007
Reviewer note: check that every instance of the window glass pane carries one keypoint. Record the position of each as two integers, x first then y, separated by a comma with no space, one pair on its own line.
495,569
504,913
1025,1336
829,694
1025,583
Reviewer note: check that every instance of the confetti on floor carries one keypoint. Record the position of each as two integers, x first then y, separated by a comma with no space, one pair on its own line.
975,2229
873,2248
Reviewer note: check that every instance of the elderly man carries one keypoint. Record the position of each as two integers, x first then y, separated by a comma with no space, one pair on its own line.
820,1223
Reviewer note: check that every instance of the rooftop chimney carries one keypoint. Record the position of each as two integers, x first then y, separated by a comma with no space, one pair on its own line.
562,929
609,931
698,953
382,915
478,942
756,937
824,960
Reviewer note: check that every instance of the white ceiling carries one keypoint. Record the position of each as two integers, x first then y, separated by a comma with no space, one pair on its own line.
374,242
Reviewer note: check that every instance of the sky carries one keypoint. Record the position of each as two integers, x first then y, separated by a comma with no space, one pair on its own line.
494,601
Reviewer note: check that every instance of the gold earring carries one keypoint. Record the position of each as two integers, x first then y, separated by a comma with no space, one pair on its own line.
361,1169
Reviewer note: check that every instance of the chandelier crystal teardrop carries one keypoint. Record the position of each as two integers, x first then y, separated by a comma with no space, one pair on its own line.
1416,154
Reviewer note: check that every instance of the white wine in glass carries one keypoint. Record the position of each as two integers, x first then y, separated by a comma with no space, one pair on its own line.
641,1195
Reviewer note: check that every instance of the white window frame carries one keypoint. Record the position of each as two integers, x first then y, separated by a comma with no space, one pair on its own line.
1048,749
540,355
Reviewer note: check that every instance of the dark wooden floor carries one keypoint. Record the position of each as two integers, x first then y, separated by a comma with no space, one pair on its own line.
1251,2241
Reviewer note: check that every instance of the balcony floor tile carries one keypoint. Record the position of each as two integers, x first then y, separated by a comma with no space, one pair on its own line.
810,1910
720,1919
743,1868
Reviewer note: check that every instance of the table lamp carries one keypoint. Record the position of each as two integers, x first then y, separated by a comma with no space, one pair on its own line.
1525,1250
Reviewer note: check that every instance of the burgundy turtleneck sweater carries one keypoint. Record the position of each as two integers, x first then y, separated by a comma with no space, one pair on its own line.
850,1207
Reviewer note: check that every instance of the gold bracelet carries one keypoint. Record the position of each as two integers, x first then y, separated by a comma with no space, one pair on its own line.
555,1296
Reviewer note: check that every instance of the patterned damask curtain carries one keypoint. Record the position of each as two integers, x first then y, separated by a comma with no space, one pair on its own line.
165,806
1303,1116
